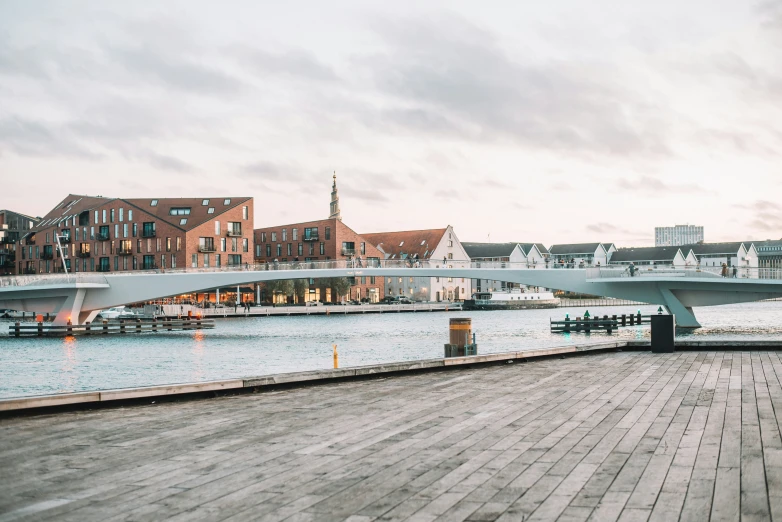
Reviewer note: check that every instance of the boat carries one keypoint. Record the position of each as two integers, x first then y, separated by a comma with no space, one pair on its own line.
117,312
511,300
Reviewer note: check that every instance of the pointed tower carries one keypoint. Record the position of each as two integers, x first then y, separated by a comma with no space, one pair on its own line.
334,212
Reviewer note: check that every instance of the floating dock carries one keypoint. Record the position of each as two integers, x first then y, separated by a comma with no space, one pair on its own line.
122,326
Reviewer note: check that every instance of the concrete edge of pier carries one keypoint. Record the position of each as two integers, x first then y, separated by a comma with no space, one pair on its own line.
117,397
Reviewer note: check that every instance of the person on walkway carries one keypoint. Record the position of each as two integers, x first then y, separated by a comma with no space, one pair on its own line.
276,264
632,269
359,262
724,270
445,261
735,272
236,306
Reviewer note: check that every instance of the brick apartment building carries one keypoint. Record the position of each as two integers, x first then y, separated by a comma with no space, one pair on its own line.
13,226
317,241
99,234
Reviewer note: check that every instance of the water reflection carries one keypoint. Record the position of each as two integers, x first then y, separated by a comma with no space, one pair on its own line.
265,345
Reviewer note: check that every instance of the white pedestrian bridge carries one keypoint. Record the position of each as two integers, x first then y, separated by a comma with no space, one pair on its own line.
79,297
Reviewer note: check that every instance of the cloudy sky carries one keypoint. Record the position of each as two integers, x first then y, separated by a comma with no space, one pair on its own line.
558,121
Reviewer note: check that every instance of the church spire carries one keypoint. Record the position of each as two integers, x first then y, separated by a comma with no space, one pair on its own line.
334,210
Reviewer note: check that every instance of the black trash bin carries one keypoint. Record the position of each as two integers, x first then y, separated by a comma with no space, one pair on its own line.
663,333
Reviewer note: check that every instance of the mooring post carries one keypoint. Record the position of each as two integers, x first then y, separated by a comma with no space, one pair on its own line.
87,328
336,357
40,328
154,324
122,326
639,317
16,329
460,332
624,320
105,327
138,325
632,319
69,327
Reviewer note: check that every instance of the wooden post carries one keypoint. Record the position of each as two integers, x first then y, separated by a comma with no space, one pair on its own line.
16,329
154,324
639,317
69,328
624,320
632,319
122,326
105,327
87,328
138,325
40,329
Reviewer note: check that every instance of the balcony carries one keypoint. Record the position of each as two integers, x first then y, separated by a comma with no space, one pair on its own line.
206,249
101,268
348,251
28,271
237,232
65,239
8,263
148,233
101,237
152,266
311,237
47,255
85,253
125,252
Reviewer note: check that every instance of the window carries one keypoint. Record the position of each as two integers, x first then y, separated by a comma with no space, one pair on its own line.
183,221
246,245
268,251
96,217
179,211
389,280
217,228
92,234
178,244
300,249
245,213
116,231
148,229
210,210
135,229
450,256
372,280
233,244
294,233
363,248
173,260
168,244
348,248
116,263
289,249
157,245
279,250
312,248
130,214
274,236
153,203
450,243
112,215
322,248
193,260
217,260
285,234
103,215
138,246
400,280
411,279
222,244
207,260
311,234
328,233
125,247
148,263
263,237
121,215
257,250
234,228
227,202
205,203
234,260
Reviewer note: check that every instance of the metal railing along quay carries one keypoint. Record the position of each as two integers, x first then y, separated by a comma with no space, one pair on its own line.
705,272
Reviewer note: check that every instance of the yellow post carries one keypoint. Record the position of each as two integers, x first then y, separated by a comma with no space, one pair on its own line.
336,357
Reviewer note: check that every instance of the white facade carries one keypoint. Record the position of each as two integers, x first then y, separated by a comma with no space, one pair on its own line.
746,256
575,259
678,235
439,288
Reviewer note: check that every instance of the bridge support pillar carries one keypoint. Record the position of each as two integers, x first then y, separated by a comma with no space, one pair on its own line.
71,309
685,318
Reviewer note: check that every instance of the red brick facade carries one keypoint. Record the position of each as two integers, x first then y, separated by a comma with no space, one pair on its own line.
318,241
108,235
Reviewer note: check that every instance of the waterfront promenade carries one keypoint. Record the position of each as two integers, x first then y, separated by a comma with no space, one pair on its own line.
610,436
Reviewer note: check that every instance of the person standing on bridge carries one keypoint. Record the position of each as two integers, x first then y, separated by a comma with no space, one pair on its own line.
445,261
632,269
735,271
724,270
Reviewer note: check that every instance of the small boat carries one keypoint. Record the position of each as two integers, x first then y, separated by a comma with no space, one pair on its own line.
511,300
116,312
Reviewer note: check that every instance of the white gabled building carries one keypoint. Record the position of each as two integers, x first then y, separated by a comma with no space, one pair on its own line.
440,247
577,255
517,255
648,257
732,254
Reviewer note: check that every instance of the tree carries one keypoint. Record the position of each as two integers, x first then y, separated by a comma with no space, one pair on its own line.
300,288
282,286
340,285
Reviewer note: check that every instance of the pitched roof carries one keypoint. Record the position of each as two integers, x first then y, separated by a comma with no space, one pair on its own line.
607,246
72,205
577,248
764,247
645,254
408,243
700,249
542,249
527,247
199,213
483,250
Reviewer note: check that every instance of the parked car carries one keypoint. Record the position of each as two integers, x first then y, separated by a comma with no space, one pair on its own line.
404,300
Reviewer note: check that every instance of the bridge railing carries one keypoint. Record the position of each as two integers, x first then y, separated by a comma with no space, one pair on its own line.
706,272
50,279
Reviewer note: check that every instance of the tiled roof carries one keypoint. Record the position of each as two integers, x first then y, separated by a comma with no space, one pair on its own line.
199,213
398,245
645,254
578,248
713,248
71,205
527,247
542,249
484,250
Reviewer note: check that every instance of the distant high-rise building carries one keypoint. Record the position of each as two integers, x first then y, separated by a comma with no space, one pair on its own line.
678,235
334,207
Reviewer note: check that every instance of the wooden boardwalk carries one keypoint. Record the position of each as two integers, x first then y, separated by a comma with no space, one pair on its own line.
614,436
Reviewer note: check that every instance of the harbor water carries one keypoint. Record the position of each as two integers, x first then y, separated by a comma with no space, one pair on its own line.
244,347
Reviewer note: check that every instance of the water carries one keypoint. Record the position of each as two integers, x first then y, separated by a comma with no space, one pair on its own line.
261,346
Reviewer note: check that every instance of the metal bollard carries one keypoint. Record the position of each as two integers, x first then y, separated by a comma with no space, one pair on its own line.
336,357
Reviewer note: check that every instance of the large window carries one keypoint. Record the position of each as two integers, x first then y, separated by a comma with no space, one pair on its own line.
148,229
328,233
148,263
234,259
294,233
348,248
179,211
311,234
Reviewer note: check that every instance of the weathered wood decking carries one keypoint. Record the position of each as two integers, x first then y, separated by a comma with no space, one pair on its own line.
629,436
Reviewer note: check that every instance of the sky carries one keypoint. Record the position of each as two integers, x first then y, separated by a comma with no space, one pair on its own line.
554,122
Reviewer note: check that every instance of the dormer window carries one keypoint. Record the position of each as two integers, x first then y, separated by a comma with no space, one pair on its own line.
210,210
153,203
205,203
227,202
402,243
183,221
179,211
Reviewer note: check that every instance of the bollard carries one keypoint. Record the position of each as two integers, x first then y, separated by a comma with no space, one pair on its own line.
154,324
40,329
632,320
105,326
122,326
69,327
460,334
639,317
624,320
336,358
138,325
578,324
16,329
87,328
